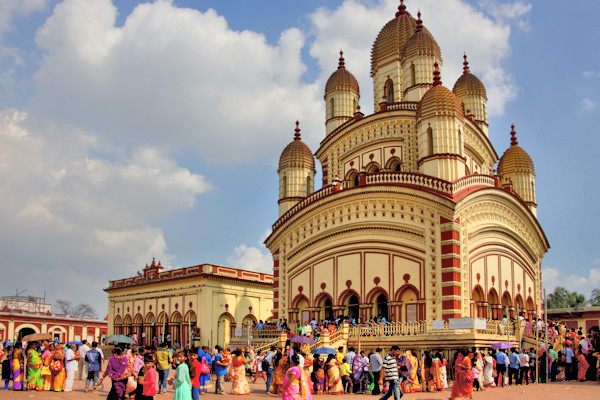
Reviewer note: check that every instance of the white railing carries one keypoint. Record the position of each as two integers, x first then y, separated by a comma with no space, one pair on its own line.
472,180
426,328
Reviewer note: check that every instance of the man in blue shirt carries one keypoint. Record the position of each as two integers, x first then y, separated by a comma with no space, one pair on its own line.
513,366
220,370
269,360
501,363
569,369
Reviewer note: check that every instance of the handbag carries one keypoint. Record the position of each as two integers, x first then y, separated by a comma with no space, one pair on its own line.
204,367
131,384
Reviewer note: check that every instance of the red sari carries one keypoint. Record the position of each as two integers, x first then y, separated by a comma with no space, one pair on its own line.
582,367
463,384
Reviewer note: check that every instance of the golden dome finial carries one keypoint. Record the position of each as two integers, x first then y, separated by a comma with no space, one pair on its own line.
297,131
401,9
466,69
437,79
419,27
342,63
513,136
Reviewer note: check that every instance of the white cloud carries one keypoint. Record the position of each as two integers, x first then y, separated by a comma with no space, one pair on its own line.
553,277
516,13
588,104
253,258
591,74
354,27
175,78
74,204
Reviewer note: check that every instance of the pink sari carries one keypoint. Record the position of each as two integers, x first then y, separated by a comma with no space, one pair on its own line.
295,385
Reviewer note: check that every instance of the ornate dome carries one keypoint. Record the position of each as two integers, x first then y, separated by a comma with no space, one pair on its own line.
393,36
341,79
421,43
469,83
438,99
297,154
515,159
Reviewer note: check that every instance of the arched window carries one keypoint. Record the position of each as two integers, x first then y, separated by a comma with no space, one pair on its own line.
413,75
331,108
382,306
309,185
429,141
353,307
328,309
352,178
284,188
372,168
394,164
389,91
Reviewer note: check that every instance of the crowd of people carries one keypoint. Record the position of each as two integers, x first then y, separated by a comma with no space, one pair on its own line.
293,373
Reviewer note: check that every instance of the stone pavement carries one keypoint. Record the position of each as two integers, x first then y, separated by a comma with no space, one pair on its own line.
552,391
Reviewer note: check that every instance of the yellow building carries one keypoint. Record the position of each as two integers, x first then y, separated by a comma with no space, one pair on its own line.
206,302
413,220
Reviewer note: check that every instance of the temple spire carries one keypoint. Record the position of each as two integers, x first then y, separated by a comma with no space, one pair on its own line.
297,131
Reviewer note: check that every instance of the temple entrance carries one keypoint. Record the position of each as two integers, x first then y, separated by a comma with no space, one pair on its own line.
353,307
24,332
328,310
382,306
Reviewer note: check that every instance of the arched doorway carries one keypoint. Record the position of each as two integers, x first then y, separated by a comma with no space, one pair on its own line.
353,307
381,306
162,327
493,305
519,304
24,332
137,328
530,309
175,327
127,325
150,329
479,308
303,314
117,328
224,327
189,327
507,306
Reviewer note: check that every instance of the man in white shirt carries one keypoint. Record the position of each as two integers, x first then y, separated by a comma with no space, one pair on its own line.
71,364
82,370
523,368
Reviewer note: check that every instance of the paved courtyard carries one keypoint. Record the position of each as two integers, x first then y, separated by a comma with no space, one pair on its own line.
552,391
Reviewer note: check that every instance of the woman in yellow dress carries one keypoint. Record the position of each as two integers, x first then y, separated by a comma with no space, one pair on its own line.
46,358
278,373
334,383
412,384
57,368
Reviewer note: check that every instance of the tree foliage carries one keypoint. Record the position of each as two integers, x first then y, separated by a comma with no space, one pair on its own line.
595,298
563,298
78,311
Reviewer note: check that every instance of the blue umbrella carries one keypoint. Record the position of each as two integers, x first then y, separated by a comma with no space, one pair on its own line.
324,350
120,339
75,342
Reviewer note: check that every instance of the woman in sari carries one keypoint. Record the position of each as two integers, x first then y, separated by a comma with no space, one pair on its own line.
319,370
294,383
463,384
16,366
443,370
278,373
34,370
426,376
411,385
334,383
488,370
119,369
238,374
46,359
57,369
359,375
308,367
582,366
436,373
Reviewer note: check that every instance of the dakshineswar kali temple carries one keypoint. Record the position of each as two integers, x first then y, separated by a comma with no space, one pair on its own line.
413,220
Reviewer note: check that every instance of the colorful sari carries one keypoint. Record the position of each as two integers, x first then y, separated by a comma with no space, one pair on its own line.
118,370
278,376
463,384
412,384
294,385
204,379
335,382
57,369
582,367
46,374
436,374
308,363
320,379
34,371
238,374
16,368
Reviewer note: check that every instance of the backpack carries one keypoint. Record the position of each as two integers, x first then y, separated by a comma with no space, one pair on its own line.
265,365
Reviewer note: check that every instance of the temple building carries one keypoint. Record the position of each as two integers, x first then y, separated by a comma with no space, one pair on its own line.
202,305
417,218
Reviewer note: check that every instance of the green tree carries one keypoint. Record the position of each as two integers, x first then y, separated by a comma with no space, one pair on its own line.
563,298
595,298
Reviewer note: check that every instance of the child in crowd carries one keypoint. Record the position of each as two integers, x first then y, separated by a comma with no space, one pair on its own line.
149,379
475,374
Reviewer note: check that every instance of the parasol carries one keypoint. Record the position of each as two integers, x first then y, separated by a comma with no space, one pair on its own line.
324,350
302,339
77,342
502,345
37,336
120,339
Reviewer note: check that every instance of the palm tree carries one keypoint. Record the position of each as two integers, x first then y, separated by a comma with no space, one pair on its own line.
595,298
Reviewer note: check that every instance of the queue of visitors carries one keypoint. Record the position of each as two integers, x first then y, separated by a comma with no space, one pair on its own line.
143,372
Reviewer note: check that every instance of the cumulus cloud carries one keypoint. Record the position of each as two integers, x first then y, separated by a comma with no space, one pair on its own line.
76,205
588,104
255,258
553,277
175,78
353,26
516,12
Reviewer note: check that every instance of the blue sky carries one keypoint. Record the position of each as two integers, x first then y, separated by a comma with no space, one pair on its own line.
137,129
